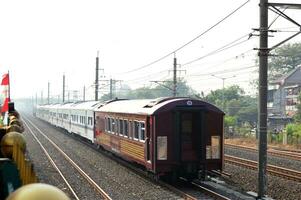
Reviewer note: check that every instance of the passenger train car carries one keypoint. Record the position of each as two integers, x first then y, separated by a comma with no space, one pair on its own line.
170,137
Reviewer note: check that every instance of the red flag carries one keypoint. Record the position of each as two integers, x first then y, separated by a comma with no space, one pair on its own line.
5,79
5,105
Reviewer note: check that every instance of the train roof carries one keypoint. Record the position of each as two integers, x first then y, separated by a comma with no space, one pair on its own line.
82,105
86,105
153,106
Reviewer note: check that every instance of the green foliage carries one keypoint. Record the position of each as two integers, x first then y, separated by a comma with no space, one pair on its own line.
230,120
294,132
236,103
289,129
162,90
230,93
287,58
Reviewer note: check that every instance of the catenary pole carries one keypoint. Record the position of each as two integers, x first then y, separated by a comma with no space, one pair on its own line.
48,93
84,94
96,78
63,88
175,77
263,68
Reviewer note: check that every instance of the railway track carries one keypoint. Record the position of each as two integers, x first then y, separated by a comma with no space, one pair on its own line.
271,169
196,191
280,153
94,185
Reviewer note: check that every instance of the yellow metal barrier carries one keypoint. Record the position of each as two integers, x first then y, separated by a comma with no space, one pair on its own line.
25,167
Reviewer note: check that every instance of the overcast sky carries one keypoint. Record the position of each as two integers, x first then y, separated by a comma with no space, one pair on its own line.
42,40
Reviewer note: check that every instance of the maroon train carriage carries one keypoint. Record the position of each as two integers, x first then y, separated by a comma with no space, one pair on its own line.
169,136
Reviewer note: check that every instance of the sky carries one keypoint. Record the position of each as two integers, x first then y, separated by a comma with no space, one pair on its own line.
42,40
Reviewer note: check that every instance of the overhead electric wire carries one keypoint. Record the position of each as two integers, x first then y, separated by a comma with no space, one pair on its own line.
223,48
220,63
229,59
224,71
143,77
189,42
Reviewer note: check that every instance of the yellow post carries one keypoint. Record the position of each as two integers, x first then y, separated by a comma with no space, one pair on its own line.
27,172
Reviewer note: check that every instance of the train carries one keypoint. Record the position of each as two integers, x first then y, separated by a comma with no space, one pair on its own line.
169,137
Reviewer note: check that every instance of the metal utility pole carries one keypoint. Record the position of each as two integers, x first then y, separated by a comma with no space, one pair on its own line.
174,82
263,84
41,97
64,88
84,94
48,100
223,94
174,91
263,53
111,89
96,78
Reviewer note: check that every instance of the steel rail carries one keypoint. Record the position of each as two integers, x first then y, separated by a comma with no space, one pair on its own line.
272,169
172,188
210,192
84,175
279,153
52,162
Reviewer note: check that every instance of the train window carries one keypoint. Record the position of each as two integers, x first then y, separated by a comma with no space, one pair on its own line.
121,127
109,125
113,125
186,126
126,128
117,126
136,130
130,129
142,131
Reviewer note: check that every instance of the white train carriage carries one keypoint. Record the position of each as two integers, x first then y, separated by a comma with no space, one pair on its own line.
42,112
53,115
82,118
64,116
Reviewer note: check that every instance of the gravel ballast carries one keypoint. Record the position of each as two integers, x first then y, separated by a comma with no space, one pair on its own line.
118,181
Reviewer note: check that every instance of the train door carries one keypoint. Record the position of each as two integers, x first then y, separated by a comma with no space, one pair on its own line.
188,133
149,130
85,123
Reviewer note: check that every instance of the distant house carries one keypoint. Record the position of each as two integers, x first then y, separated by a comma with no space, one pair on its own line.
283,98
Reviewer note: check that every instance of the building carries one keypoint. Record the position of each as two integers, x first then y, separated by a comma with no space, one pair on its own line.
283,98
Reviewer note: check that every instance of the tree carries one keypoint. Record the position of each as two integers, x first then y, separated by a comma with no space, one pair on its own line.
230,93
162,90
285,59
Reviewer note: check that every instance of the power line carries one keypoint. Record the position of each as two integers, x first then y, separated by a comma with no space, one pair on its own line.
164,77
225,71
189,42
223,48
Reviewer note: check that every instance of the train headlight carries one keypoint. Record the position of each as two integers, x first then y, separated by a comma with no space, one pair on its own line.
162,148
